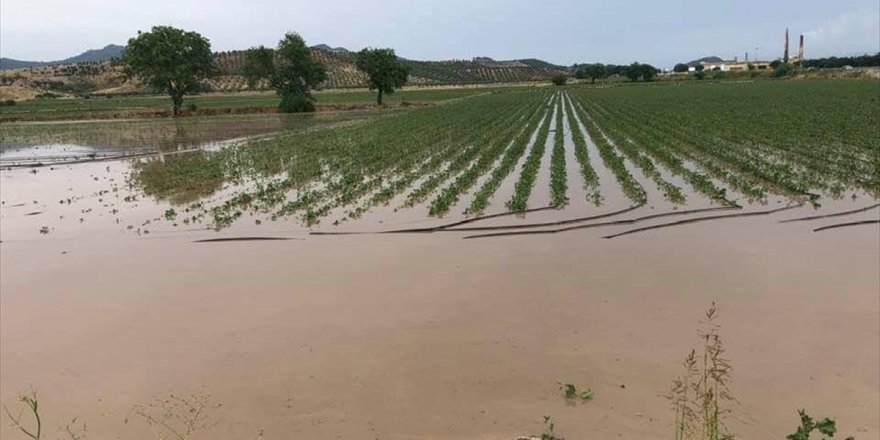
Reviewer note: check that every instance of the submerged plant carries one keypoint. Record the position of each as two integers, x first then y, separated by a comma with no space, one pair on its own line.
32,406
549,430
570,391
176,417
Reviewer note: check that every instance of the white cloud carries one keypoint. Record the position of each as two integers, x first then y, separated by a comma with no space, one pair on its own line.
855,31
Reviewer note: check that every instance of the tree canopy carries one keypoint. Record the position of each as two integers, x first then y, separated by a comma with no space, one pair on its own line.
559,79
638,71
594,71
171,60
259,63
296,73
680,68
290,69
386,73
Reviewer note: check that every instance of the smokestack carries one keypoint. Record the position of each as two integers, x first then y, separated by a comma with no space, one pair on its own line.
801,50
785,54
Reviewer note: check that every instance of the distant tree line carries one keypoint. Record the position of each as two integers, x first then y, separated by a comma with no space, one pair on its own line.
837,62
634,72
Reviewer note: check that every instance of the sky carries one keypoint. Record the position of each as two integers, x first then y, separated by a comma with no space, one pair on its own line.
561,31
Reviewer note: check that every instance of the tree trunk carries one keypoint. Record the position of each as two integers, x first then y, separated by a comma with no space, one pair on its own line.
593,80
379,98
176,103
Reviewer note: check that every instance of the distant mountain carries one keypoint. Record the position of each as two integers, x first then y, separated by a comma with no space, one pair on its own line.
327,48
712,59
9,63
107,52
94,55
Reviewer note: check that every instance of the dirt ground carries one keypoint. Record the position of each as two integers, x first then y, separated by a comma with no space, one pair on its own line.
427,336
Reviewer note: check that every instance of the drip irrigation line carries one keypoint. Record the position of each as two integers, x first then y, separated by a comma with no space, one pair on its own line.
844,225
226,239
611,223
431,229
701,219
836,214
545,224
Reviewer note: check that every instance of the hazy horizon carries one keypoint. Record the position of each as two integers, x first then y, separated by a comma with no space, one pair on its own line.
566,33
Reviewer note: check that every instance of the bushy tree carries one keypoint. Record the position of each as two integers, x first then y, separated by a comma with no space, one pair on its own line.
559,79
259,63
680,68
171,60
386,73
594,71
638,71
290,69
782,69
295,74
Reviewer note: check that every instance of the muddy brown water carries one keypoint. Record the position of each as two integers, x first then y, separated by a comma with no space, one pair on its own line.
400,336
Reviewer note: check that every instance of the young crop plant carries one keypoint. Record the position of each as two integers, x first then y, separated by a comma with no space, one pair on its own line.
465,180
460,158
523,187
627,146
591,179
558,174
631,188
504,168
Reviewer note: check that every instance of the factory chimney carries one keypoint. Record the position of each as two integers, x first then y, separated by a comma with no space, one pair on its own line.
785,53
801,50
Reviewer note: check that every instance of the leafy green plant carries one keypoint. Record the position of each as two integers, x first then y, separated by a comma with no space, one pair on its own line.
558,174
825,427
570,391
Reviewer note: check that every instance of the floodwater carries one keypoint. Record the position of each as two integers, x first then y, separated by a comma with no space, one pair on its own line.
31,143
105,306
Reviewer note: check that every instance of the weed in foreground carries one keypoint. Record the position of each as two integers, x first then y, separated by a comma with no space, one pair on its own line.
176,417
699,397
32,406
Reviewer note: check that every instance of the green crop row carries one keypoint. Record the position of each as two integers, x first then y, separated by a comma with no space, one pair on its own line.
523,187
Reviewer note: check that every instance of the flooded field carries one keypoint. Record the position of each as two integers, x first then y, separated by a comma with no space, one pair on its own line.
438,272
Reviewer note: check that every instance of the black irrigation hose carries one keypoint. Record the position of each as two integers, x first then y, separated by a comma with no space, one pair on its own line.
431,229
701,219
541,225
223,240
612,223
836,214
843,225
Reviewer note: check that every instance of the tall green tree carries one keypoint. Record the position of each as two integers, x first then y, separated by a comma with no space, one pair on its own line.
637,71
259,63
295,73
595,71
171,60
386,73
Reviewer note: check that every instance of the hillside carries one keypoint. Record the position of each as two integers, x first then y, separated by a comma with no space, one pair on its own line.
87,74
342,72
106,53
